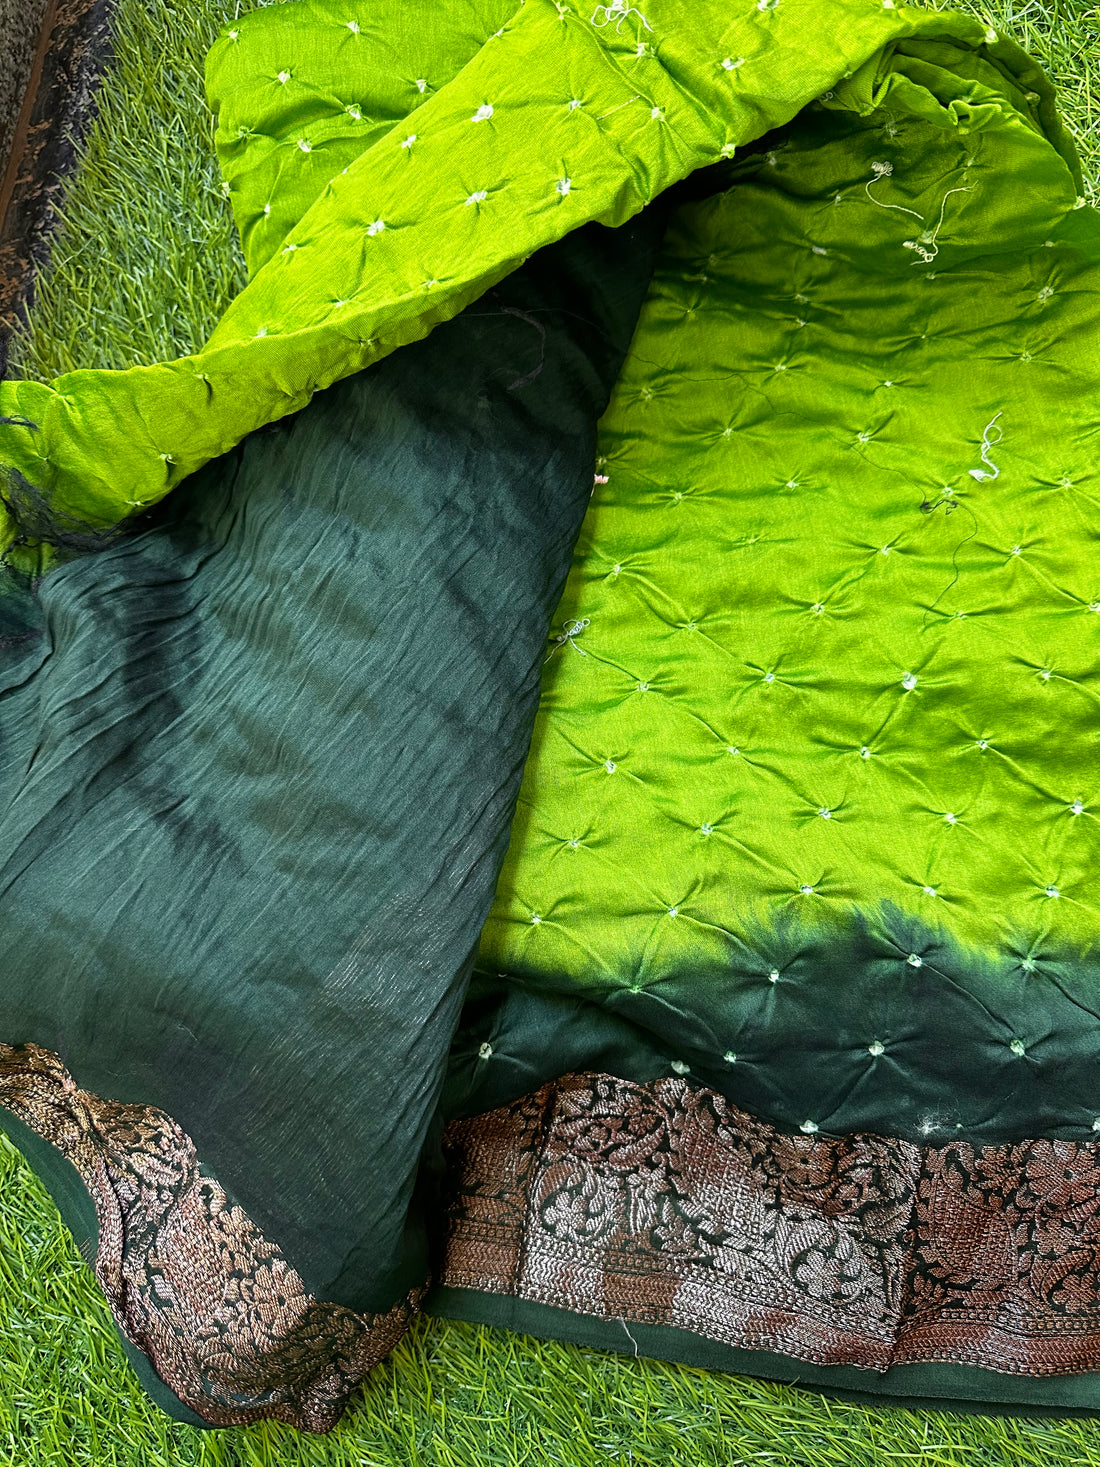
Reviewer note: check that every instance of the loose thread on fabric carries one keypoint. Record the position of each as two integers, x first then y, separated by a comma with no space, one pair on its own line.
955,553
541,329
949,503
622,10
629,1336
612,110
927,255
987,444
926,246
572,629
883,170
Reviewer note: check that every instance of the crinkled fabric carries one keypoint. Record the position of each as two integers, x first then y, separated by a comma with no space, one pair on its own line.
731,376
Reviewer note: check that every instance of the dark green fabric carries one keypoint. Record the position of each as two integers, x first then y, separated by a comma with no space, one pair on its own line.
261,753
262,758
943,1387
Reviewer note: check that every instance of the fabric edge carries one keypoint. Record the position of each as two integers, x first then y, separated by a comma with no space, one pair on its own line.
222,1321
662,1204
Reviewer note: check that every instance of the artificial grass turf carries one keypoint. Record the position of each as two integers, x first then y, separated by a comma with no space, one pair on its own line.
148,261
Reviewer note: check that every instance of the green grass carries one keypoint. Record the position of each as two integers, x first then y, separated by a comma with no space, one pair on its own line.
450,1395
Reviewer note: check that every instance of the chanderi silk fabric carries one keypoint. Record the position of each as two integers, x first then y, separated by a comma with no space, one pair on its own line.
549,773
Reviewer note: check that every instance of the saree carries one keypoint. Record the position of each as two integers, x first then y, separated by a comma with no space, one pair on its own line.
547,770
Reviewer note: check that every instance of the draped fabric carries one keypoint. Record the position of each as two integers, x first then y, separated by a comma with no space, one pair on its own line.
547,773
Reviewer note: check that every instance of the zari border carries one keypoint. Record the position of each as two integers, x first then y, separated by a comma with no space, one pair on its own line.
223,1318
663,1204
58,108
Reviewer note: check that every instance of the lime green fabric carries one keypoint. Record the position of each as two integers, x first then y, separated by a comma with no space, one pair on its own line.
809,812
426,219
811,800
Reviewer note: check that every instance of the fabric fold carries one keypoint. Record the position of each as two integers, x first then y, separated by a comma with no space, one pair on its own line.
606,553
412,232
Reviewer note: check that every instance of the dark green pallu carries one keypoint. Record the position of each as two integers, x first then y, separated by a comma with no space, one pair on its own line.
777,1051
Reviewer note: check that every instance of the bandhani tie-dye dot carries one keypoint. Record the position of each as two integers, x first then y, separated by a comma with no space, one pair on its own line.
548,772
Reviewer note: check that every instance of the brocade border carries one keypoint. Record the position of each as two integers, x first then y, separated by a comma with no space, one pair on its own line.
664,1204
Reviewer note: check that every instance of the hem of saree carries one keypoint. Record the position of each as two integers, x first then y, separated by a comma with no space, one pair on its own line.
205,1304
655,1219
74,1203
662,1205
935,1387
58,106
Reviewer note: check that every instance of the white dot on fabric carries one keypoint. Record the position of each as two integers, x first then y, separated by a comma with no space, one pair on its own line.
353,26
284,77
376,227
915,961
1052,891
305,145
806,889
408,142
1076,808
563,186
809,1127
477,198
484,112
1017,1047
610,766
909,681
680,1067
876,1049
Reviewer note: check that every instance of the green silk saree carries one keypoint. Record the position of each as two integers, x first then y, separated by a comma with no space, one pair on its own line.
548,772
